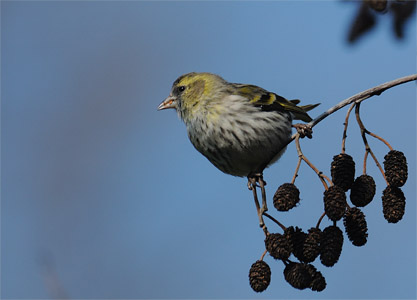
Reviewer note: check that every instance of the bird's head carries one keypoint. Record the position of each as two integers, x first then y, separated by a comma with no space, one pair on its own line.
192,91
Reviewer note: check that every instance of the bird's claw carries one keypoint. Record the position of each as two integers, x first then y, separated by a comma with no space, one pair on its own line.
304,130
250,187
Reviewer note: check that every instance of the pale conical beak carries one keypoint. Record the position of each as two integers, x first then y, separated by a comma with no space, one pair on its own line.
169,102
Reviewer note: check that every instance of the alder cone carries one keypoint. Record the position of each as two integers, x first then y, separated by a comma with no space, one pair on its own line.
343,171
393,204
362,191
286,197
334,202
396,170
259,276
331,246
355,226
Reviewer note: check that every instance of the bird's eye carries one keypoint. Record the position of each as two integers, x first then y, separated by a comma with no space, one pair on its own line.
181,88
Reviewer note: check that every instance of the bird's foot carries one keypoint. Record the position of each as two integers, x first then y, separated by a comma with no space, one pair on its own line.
304,130
255,179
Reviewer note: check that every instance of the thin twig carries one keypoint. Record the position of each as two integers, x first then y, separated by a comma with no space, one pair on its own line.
364,162
296,170
379,138
365,141
320,219
327,178
346,126
378,165
275,220
302,156
263,255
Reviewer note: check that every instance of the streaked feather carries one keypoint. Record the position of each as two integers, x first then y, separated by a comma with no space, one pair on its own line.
272,102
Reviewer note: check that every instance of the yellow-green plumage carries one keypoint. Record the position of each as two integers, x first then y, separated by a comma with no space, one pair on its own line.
260,97
240,128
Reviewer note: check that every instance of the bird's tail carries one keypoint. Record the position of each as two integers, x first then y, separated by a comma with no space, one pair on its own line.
301,114
309,107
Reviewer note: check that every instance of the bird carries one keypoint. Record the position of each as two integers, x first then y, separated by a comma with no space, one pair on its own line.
240,128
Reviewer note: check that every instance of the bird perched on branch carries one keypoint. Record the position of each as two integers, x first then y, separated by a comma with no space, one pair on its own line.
239,128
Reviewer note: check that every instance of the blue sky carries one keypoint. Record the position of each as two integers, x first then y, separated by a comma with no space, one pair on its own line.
104,197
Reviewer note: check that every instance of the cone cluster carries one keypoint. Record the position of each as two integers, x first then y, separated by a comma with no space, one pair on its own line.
305,247
328,244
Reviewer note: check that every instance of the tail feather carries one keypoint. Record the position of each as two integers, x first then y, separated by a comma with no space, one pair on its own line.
301,113
309,106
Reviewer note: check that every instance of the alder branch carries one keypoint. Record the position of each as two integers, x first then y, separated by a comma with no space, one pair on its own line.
375,91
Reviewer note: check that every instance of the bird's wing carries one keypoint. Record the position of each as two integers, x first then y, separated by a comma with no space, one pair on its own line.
268,101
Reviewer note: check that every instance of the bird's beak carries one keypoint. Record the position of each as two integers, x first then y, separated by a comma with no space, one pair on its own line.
169,102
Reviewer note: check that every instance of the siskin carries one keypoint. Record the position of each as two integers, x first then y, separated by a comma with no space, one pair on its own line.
239,128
